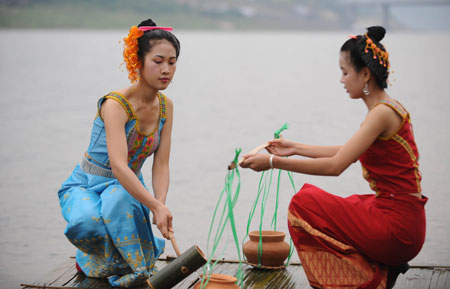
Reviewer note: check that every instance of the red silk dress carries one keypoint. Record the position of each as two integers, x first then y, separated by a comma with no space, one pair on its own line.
349,242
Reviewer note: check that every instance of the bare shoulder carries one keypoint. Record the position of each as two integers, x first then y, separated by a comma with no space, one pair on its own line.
386,119
169,104
390,113
111,105
112,108
378,119
382,110
168,100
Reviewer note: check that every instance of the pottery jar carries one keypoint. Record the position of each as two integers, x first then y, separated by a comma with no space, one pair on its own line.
219,281
274,249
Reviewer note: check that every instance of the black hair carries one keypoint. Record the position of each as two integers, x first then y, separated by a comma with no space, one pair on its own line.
360,57
145,41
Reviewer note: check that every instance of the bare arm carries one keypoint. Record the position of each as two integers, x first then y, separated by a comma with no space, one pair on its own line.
160,170
376,122
284,147
315,151
115,118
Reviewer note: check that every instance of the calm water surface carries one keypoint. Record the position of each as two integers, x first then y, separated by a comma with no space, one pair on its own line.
231,90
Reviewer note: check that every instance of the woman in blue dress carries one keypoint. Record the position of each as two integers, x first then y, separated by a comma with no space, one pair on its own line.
105,200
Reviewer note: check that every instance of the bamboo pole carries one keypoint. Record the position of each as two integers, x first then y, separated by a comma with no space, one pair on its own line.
178,269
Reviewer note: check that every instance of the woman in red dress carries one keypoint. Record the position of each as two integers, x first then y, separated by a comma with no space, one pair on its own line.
362,241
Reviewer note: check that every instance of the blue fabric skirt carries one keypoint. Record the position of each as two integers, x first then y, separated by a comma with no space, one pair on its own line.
110,228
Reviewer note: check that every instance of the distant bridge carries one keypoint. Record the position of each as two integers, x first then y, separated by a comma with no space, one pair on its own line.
386,6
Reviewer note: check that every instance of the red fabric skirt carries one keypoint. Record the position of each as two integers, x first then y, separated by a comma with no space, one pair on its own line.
347,242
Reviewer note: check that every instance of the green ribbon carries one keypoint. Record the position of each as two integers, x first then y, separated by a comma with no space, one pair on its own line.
226,215
276,134
264,185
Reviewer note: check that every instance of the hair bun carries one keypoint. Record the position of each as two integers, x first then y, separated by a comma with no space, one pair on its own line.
148,22
376,33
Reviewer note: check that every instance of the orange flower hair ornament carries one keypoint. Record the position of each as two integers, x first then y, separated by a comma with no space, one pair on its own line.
131,48
130,53
383,56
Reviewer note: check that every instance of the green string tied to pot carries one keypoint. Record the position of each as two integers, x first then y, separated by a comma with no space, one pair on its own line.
264,185
228,200
277,135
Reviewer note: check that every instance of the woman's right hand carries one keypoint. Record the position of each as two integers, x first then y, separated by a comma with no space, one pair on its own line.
162,218
282,147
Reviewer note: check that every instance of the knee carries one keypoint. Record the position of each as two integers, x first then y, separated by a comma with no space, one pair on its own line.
84,223
303,198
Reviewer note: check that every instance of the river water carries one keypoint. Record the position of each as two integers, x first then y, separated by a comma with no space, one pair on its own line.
232,90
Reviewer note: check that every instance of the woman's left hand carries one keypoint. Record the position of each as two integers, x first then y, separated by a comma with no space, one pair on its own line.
256,162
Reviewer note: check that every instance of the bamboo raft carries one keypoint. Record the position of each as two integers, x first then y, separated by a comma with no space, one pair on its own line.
293,277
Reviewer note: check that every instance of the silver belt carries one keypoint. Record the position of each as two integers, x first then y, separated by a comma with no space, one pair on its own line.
93,169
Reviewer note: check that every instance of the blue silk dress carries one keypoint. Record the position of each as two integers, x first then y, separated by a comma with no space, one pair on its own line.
110,228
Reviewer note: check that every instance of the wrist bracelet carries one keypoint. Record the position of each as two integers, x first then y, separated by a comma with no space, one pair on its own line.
271,161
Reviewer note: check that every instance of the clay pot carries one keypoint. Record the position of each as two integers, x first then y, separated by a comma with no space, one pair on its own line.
219,281
274,249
